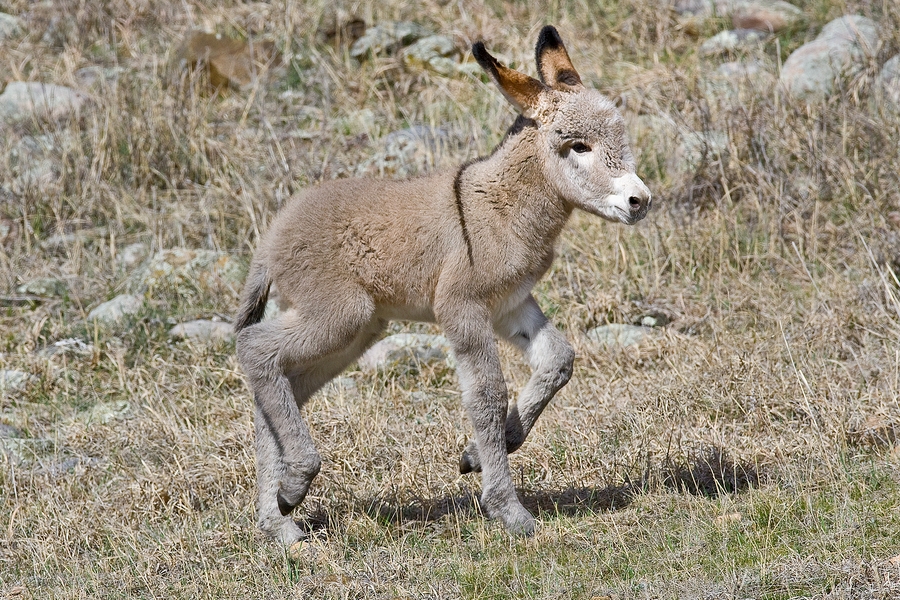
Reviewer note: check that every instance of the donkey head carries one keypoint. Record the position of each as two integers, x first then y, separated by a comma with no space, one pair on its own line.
580,134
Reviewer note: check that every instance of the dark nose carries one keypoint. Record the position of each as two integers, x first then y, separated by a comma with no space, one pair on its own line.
639,204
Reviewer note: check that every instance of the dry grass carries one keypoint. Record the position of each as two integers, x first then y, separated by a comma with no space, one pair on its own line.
748,451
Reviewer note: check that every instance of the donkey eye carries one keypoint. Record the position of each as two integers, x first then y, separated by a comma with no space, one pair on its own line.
581,148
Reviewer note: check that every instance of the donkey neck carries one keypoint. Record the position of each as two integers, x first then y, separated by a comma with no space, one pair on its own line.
509,189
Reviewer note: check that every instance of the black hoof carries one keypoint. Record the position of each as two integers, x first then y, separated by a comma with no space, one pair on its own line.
464,465
284,506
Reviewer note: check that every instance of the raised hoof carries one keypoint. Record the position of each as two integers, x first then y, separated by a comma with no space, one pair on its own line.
467,465
284,506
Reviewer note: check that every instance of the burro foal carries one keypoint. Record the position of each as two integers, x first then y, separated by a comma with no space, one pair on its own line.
462,248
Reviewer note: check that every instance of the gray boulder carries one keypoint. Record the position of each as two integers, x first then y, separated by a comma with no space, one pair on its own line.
12,380
409,151
765,15
203,330
186,271
735,40
403,349
887,86
10,26
29,100
46,287
839,52
115,311
618,336
387,37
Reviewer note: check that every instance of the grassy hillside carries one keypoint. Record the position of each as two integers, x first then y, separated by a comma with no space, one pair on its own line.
748,449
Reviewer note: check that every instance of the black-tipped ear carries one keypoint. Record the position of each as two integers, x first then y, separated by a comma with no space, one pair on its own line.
521,90
553,63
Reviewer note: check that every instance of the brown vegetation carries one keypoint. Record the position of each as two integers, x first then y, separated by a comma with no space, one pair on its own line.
747,450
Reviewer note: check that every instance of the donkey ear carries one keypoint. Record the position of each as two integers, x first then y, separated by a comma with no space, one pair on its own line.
553,64
522,91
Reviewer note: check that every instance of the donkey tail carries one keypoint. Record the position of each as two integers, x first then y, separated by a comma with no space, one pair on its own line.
255,296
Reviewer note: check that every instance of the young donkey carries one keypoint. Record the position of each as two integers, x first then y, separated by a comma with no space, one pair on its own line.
461,248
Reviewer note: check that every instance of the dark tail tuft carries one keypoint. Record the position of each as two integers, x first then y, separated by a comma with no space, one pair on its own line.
256,294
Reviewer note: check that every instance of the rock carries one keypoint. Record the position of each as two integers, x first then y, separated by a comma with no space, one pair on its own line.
770,16
46,287
408,152
839,52
186,272
386,38
340,27
732,41
698,149
694,7
132,255
228,61
10,26
887,85
68,347
738,82
617,335
115,311
435,52
36,160
105,412
654,319
203,330
26,450
22,101
8,431
12,380
96,76
405,349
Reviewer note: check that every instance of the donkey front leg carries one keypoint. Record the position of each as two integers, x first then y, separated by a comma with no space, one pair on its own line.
550,357
485,400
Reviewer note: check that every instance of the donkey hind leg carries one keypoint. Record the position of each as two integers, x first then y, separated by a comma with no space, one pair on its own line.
272,353
550,357
485,400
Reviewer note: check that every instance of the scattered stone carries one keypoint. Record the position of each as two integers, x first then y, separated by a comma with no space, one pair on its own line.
115,311
340,27
8,431
409,151
228,62
203,330
10,26
697,150
738,82
839,52
387,38
436,52
106,412
887,85
770,16
96,76
732,41
654,319
339,386
68,347
405,349
45,287
26,450
617,335
36,160
28,100
80,236
12,380
132,255
186,272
